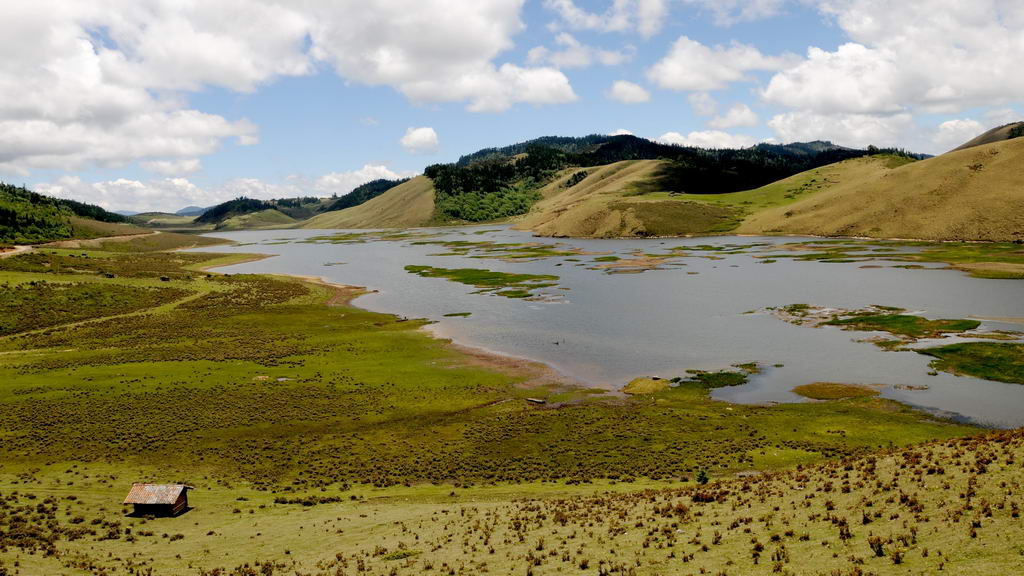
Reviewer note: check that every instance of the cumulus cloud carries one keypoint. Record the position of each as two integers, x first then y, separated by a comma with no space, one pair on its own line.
628,93
434,51
173,167
690,65
729,12
421,140
106,82
703,104
572,53
342,183
167,194
903,59
171,194
854,78
738,115
953,133
708,139
642,16
846,129
620,132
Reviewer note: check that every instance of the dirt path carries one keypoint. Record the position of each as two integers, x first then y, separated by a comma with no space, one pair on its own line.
94,242
15,250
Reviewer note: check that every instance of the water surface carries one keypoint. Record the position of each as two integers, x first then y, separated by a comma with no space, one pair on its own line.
604,329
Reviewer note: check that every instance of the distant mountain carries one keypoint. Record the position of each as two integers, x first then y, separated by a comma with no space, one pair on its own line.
125,212
191,211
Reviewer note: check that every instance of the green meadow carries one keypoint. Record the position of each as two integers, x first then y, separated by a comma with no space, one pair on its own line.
326,439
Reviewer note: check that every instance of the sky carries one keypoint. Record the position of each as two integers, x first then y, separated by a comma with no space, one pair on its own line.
153,105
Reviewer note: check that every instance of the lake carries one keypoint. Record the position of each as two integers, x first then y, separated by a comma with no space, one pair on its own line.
704,309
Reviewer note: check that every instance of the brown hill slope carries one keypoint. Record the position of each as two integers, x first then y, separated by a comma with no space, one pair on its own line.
971,194
407,205
609,203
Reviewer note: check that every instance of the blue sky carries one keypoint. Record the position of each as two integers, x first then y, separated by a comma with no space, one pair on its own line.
148,105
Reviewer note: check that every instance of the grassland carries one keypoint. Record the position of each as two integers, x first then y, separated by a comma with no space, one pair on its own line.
324,439
500,283
970,194
949,507
614,200
905,325
834,391
1000,361
407,205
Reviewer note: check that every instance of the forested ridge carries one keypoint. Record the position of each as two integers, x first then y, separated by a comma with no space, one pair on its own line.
27,217
496,183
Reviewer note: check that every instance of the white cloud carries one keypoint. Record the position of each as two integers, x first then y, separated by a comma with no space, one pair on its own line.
904,59
953,133
421,140
620,132
690,65
574,54
105,82
628,93
173,167
738,115
856,130
643,16
171,194
703,104
854,78
434,51
729,12
168,194
342,183
707,139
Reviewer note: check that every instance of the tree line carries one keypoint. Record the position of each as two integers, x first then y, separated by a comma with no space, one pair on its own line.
27,217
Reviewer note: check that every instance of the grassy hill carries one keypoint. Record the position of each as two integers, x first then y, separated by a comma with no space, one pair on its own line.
407,205
612,201
30,218
976,193
269,218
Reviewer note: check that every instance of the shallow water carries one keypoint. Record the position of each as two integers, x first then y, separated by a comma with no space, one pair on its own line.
604,329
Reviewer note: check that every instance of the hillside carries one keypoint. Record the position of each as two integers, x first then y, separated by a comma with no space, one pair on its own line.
975,193
997,134
270,218
407,205
30,218
498,183
611,201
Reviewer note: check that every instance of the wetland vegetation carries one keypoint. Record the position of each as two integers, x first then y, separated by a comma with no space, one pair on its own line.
264,390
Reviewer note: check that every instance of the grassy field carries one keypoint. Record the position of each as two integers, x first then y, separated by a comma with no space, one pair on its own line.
407,205
614,200
500,283
1000,361
970,194
321,438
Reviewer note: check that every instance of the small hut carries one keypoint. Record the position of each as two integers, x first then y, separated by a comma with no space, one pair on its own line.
158,499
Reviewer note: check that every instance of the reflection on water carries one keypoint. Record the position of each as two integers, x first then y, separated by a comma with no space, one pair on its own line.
603,329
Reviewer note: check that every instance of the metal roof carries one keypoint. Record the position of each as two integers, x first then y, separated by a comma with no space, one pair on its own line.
143,493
